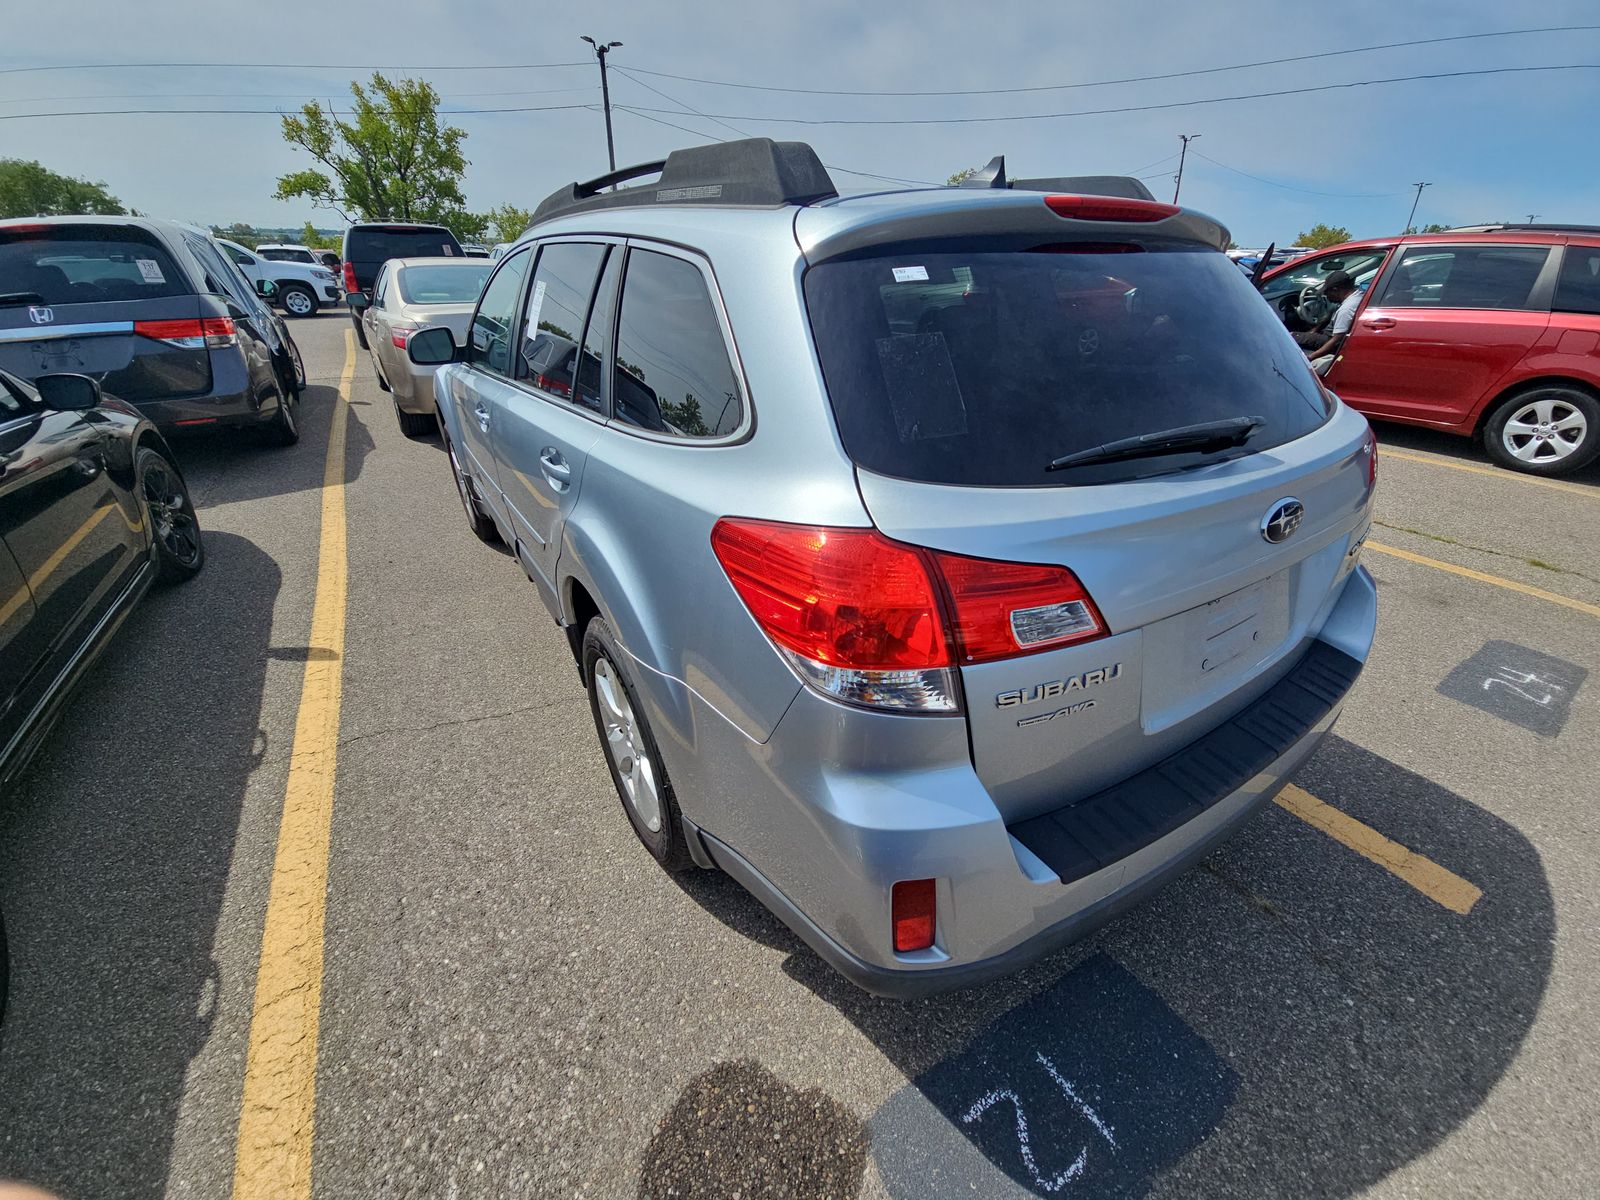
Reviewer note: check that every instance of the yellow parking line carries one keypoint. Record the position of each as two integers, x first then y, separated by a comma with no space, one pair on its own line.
1428,877
1484,577
1588,493
273,1156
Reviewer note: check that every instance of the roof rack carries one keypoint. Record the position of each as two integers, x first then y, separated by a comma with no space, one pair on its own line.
1123,186
754,171
1498,227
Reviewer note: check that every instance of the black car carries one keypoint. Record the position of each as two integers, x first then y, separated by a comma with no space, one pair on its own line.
156,313
368,246
93,510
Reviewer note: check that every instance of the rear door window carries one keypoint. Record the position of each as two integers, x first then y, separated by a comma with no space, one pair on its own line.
673,374
1578,289
1479,276
558,306
85,264
982,368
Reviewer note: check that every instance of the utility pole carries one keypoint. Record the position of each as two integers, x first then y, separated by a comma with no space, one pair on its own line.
1186,138
600,52
1414,200
1532,217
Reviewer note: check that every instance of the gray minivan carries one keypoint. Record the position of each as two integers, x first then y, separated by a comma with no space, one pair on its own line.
949,565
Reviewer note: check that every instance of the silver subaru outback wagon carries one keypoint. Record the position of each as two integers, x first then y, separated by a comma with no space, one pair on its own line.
950,566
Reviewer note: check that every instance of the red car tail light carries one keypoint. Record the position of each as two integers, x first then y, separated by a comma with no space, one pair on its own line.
552,383
913,912
350,284
399,335
191,333
1370,445
1109,208
873,621
1004,609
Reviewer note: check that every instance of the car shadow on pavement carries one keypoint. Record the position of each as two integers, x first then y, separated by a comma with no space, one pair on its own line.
226,467
115,848
1465,450
1288,1019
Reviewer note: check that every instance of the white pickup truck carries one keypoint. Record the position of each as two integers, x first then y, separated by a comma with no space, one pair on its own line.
302,287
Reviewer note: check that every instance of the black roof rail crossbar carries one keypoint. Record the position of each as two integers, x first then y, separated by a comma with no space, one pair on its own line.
1522,227
752,171
994,176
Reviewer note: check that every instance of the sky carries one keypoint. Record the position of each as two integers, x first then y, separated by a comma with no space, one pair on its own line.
1492,147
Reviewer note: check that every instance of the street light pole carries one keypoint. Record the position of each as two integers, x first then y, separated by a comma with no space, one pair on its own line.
1186,138
1414,201
600,52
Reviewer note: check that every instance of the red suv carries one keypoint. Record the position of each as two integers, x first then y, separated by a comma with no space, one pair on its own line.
1493,331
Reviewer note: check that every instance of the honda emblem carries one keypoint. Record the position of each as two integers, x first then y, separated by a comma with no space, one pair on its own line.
40,315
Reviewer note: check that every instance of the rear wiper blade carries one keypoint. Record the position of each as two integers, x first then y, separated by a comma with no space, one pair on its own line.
1212,435
8,299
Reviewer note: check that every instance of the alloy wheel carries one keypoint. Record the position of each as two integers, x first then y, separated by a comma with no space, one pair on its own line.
170,515
626,748
1545,430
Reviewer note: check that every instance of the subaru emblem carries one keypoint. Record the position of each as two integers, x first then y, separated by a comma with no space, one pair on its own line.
40,315
1282,519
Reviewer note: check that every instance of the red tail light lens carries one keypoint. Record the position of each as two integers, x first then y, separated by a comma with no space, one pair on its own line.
1371,447
1109,208
1005,609
552,383
873,621
914,914
192,333
401,334
350,284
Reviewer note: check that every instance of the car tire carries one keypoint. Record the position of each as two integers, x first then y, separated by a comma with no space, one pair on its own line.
414,425
176,544
1549,429
361,334
298,300
284,427
479,521
632,757
5,968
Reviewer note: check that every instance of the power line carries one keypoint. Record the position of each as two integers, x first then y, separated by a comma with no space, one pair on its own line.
1056,87
182,66
269,112
1158,162
261,95
1132,108
1289,187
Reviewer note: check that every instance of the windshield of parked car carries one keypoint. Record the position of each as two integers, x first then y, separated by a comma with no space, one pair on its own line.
444,284
983,368
85,264
302,256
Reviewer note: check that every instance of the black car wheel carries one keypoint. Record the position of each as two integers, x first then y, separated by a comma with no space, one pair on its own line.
298,300
481,524
299,365
284,427
174,529
361,334
630,748
414,425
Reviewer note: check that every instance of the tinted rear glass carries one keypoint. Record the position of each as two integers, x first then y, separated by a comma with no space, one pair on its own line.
982,368
379,245
1578,289
303,256
86,264
443,285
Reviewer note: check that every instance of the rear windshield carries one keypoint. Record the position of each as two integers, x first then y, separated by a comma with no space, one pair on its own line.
287,255
380,245
85,264
444,285
982,368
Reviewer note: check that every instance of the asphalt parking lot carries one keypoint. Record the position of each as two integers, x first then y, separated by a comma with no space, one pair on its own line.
1383,986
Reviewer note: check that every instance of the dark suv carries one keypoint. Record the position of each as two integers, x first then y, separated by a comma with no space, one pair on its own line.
367,247
155,312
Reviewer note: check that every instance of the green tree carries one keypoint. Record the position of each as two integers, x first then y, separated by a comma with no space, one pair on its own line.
468,227
29,189
1428,229
964,173
508,222
391,159
1320,237
313,240
246,235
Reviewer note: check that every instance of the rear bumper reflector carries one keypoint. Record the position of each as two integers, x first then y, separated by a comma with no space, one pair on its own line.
197,421
1085,837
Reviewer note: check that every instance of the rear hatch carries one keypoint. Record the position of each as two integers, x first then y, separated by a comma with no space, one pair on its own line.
957,378
104,300
368,247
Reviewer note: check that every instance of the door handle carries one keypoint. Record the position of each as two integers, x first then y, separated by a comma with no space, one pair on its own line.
555,468
1379,322
482,410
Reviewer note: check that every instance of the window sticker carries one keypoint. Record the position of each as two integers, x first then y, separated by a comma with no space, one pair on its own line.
150,270
449,250
535,305
911,274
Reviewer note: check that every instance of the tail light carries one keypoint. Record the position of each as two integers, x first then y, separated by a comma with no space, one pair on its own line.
350,284
912,907
193,333
399,335
1370,445
1109,208
872,621
552,383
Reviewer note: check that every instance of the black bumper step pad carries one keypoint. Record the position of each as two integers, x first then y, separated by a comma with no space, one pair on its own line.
1082,838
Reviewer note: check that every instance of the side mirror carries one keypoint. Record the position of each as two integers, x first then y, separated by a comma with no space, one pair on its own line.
266,289
358,301
67,393
432,347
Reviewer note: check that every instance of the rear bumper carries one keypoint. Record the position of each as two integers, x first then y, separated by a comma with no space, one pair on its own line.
1007,896
215,408
413,388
